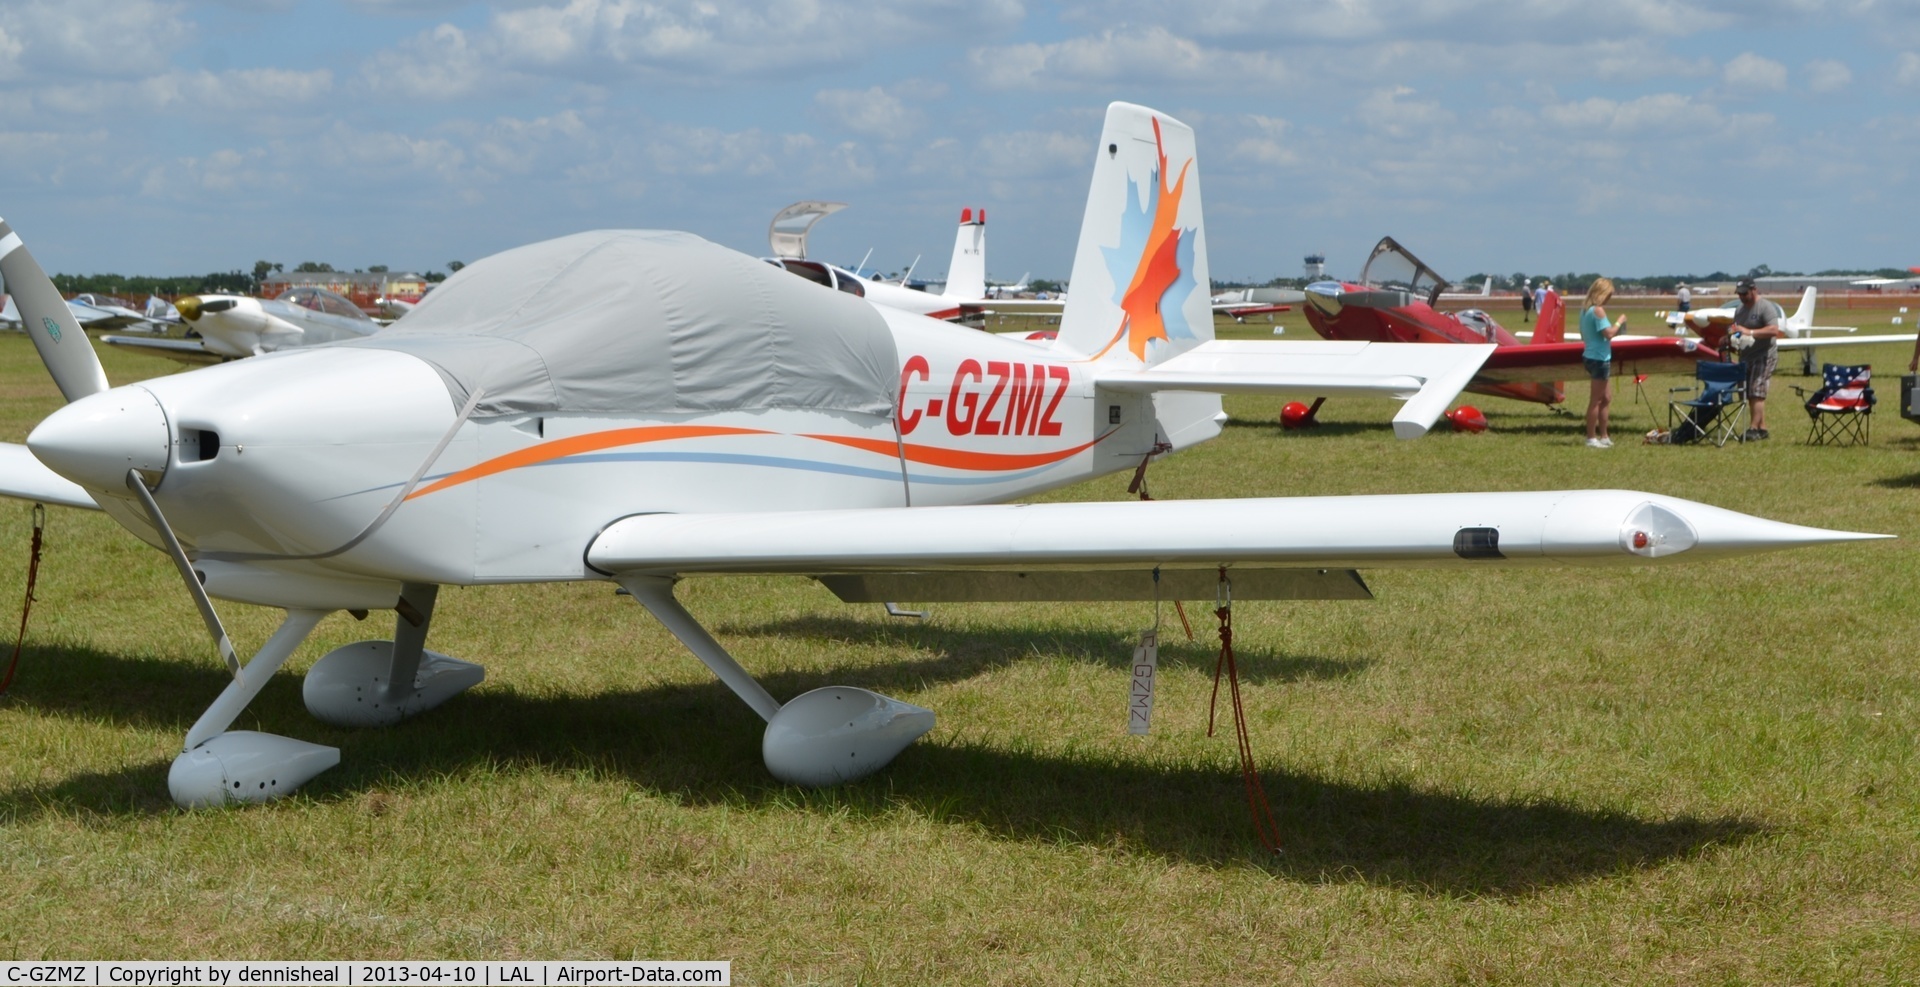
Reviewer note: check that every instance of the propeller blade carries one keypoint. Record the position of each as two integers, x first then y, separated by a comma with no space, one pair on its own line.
221,642
63,347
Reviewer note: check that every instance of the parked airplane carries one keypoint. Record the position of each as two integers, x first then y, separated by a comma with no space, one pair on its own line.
233,326
84,315
641,406
1393,302
963,298
997,291
1712,325
1486,291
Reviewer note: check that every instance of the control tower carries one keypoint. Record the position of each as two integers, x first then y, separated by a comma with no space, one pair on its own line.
1316,267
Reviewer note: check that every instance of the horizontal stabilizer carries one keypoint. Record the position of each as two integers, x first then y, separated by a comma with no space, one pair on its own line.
1051,585
1427,378
26,478
1587,527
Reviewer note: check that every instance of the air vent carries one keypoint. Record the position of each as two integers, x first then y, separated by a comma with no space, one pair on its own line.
1477,543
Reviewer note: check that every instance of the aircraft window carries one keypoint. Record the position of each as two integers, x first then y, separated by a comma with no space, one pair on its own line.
848,282
811,270
322,300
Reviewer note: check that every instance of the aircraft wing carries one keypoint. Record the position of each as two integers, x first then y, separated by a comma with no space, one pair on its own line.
24,477
1427,378
1036,306
1810,343
1631,355
1312,539
183,350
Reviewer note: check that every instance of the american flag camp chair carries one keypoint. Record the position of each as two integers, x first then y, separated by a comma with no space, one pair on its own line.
1716,413
1842,409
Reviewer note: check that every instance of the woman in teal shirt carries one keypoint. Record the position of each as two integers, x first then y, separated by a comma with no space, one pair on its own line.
1597,333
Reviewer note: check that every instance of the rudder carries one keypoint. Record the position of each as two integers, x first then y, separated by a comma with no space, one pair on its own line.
1140,291
967,273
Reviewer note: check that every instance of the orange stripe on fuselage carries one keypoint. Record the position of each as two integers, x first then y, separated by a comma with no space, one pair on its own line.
963,459
574,446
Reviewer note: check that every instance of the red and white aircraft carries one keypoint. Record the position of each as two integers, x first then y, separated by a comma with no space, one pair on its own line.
638,407
1393,302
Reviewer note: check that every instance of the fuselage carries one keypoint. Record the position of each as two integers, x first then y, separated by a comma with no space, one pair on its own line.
280,467
1363,314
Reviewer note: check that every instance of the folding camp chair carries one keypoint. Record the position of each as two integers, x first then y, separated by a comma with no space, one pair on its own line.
1841,410
1716,413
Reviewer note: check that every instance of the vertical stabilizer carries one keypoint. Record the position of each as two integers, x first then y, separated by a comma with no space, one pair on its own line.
1551,327
1802,318
1139,292
967,274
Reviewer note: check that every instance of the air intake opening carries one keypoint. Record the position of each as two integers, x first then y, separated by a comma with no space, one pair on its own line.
209,445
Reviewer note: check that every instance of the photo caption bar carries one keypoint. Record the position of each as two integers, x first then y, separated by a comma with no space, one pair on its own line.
226,973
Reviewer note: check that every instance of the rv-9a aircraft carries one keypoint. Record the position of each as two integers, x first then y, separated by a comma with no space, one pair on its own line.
640,406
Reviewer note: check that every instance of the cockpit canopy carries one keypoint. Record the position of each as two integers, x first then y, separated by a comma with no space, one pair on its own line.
322,300
1393,266
833,277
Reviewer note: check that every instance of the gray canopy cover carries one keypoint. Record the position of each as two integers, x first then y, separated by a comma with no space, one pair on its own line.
646,322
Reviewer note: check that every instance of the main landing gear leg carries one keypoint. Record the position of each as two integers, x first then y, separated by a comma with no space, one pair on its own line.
380,683
824,737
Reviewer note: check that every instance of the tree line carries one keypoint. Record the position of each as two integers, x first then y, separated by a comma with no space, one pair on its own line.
235,282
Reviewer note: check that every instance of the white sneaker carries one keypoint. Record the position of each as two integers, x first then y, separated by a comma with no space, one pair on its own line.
1595,444
1606,443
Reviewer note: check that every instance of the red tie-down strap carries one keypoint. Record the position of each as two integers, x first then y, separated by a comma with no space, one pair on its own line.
1263,821
33,572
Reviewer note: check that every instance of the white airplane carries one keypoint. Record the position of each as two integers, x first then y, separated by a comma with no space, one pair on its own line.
639,407
1714,325
84,315
1486,291
233,326
997,291
963,297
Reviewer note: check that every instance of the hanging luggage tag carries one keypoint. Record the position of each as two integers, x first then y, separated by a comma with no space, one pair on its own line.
1146,661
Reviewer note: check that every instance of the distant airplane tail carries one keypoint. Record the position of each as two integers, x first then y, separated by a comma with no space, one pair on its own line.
967,274
1551,327
1802,318
1140,289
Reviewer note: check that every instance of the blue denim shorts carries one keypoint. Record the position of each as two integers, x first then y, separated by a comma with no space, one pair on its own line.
1599,369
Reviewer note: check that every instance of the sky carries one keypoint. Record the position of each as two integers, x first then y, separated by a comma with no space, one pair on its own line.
1630,138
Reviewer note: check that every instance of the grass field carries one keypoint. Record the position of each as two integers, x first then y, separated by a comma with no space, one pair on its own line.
1699,774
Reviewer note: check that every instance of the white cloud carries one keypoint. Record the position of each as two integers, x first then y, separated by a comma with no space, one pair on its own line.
239,89
96,38
1826,76
1906,69
1661,113
1134,56
683,42
1264,142
873,111
1748,72
1296,22
1389,112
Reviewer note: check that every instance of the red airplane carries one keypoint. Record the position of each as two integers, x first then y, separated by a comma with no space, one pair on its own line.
1393,303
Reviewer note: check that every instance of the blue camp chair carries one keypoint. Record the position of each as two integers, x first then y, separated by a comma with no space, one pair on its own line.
1714,414
1840,411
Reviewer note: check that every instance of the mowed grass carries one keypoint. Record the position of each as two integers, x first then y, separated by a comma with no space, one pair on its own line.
1688,774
